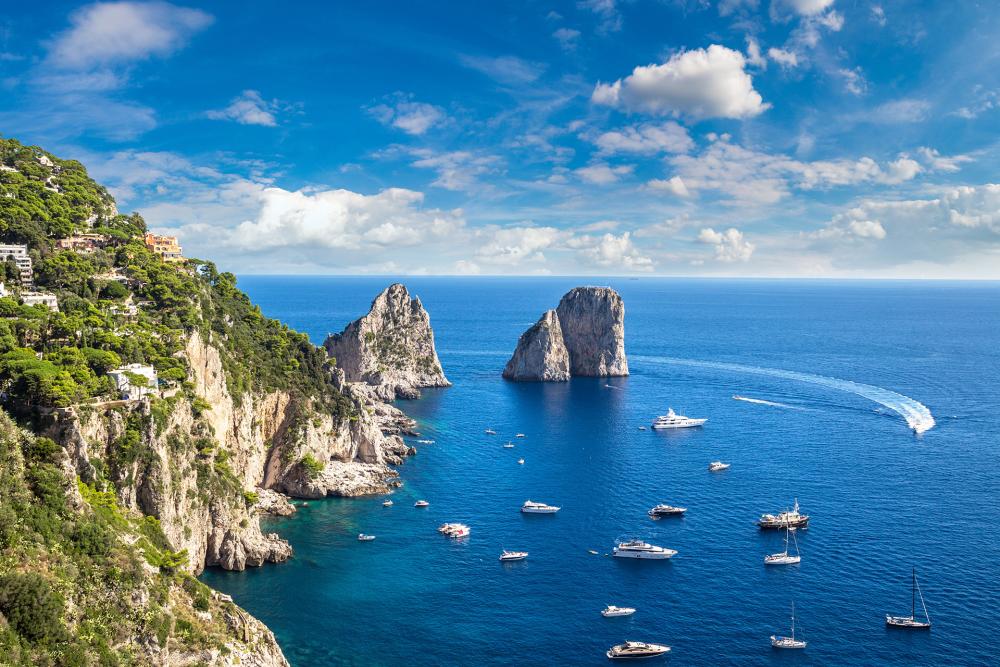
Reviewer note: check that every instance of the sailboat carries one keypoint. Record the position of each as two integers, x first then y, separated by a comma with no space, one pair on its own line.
785,558
910,622
777,641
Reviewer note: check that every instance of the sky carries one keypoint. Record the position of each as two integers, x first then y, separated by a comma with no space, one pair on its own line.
771,138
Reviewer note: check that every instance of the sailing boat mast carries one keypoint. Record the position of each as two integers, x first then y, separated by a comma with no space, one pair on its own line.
793,621
913,595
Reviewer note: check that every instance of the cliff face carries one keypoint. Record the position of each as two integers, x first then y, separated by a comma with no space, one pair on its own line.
584,336
541,353
391,348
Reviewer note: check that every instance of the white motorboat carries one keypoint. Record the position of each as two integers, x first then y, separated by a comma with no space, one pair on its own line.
365,538
779,641
640,549
490,431
785,558
787,519
642,428
520,461
387,503
519,435
911,622
425,442
666,510
454,530
511,556
674,420
717,466
611,611
633,650
421,503
509,445
531,507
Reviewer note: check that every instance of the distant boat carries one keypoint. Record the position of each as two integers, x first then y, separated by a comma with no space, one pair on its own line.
777,641
716,466
454,530
510,556
592,552
674,420
611,611
666,510
910,622
426,442
785,558
531,507
387,503
509,445
642,428
421,503
520,461
490,431
519,435
788,519
365,538
640,549
634,650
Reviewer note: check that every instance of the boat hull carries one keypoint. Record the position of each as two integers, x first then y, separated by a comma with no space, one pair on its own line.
787,643
537,510
694,423
906,623
646,555
782,560
616,654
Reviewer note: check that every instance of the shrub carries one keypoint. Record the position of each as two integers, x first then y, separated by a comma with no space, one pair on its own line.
312,466
32,608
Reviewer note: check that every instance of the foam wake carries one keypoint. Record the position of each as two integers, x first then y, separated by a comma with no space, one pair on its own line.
761,401
916,414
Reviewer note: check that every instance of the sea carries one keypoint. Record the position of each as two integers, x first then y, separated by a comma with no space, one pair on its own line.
875,405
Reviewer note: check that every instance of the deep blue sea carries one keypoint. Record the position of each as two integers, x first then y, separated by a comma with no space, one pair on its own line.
844,364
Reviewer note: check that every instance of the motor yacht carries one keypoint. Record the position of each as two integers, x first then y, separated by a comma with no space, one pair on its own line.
520,461
642,428
611,611
633,650
511,556
717,466
640,549
666,510
421,503
911,622
779,641
387,503
519,435
531,507
365,538
509,445
788,519
674,420
454,530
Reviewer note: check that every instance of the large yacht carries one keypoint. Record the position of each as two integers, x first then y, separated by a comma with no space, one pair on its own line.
666,510
531,507
632,650
640,549
791,519
674,420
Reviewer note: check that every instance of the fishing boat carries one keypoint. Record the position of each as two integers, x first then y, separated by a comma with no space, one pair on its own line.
778,641
790,519
365,538
785,558
633,650
611,611
511,556
911,622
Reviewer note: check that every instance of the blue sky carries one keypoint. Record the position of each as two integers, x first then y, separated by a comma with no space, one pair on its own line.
826,138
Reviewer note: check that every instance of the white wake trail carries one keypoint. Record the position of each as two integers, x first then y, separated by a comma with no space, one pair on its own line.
918,417
761,401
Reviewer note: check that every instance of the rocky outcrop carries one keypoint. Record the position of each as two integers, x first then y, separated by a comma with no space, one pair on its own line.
391,348
584,336
541,353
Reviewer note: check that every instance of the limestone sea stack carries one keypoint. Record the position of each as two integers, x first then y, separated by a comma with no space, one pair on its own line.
584,336
391,349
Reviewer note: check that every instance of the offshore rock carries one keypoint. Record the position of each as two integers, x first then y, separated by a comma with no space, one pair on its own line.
584,336
391,348
541,353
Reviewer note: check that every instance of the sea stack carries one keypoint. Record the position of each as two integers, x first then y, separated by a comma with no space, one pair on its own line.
584,336
391,349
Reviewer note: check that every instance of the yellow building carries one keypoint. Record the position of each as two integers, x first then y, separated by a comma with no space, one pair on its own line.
165,246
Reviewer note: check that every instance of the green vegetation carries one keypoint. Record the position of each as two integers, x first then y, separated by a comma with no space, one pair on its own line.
312,466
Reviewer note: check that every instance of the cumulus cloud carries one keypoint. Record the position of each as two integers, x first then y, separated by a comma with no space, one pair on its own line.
673,185
403,113
456,170
786,59
800,7
614,252
568,38
937,162
754,56
646,139
606,11
878,15
106,33
702,83
730,246
854,80
513,246
249,108
603,174
508,70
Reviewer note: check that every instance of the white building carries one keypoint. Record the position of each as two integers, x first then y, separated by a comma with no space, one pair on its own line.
19,253
129,390
3,291
40,299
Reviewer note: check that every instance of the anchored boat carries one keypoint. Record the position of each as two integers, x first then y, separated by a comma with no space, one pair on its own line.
778,641
674,420
633,650
910,622
640,549
791,519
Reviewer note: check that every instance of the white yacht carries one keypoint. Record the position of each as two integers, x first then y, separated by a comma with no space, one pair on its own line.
421,503
778,641
365,538
788,519
510,556
509,445
611,611
911,622
666,510
387,503
785,558
531,507
640,549
520,462
490,431
674,420
717,466
633,650
519,435
454,530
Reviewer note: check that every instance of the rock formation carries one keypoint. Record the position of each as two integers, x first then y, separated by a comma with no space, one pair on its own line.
584,336
391,348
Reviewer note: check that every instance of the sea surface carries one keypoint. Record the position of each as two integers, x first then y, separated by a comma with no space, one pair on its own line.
841,376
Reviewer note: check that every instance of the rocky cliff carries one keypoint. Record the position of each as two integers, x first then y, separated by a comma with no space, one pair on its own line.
584,336
391,349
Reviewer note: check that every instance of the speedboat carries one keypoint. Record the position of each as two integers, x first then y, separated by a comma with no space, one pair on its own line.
611,611
779,641
911,622
387,503
666,510
519,435
425,442
520,461
716,466
421,503
674,420
365,538
787,519
509,445
531,507
640,549
490,431
510,556
632,650
454,530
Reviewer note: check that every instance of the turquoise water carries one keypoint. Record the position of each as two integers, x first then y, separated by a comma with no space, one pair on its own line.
847,363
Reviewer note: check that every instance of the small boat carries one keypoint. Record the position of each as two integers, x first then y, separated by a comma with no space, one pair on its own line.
716,466
611,611
778,641
490,431
519,435
365,538
531,507
387,503
674,420
666,510
421,503
454,530
642,428
509,445
640,549
426,442
785,558
787,519
633,650
511,556
910,622
592,552
520,461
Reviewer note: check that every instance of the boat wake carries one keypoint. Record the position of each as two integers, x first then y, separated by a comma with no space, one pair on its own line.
918,417
761,401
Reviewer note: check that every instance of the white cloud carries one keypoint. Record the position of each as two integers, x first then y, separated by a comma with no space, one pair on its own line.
730,246
674,185
646,139
456,170
854,80
568,38
513,246
727,7
106,33
754,56
606,11
878,15
786,59
702,83
615,252
907,110
603,174
249,108
407,115
508,70
937,162
801,7
867,229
